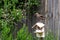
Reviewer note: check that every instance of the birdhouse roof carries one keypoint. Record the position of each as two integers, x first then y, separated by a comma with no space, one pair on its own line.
39,24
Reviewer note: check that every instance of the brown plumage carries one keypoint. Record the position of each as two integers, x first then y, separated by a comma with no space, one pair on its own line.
39,16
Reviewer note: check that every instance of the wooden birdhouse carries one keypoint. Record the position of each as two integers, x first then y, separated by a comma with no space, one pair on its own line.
39,29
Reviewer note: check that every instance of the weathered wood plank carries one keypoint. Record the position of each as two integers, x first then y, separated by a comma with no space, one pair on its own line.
59,19
53,18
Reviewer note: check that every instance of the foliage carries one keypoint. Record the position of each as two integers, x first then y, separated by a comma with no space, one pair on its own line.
10,13
23,34
4,31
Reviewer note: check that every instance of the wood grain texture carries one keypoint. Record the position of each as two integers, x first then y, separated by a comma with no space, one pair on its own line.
53,18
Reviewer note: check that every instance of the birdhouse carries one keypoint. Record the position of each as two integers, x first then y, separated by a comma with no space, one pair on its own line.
39,29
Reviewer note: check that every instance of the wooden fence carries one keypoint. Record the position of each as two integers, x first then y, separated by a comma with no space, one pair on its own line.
52,13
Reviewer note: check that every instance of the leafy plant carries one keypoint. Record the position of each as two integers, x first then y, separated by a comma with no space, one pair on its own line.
10,14
4,31
23,34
